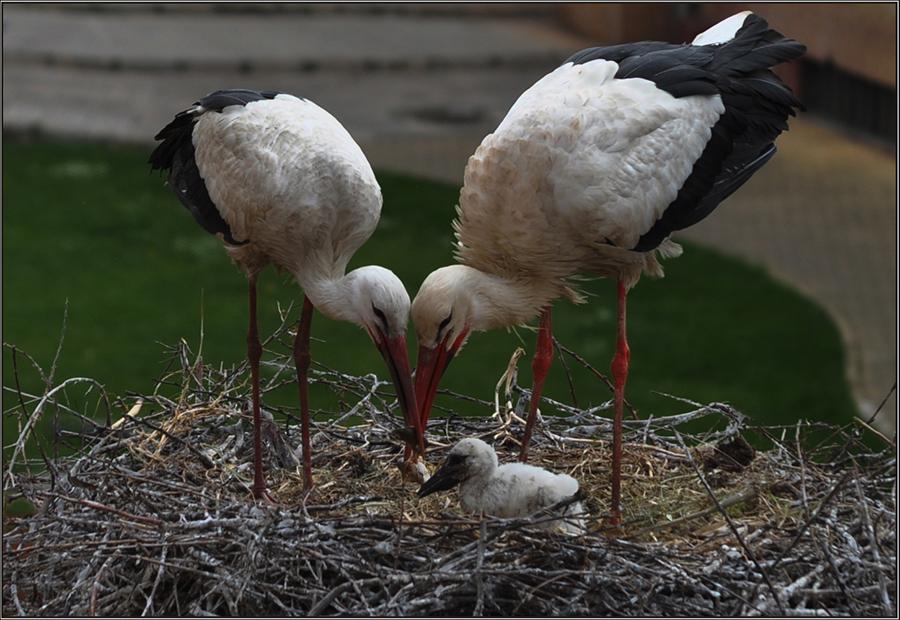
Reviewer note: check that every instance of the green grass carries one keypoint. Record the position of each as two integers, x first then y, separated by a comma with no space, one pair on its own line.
89,224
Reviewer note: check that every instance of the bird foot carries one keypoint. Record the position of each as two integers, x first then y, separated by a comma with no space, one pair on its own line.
414,471
411,440
264,495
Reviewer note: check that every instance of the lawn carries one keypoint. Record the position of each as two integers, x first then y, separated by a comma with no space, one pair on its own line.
88,225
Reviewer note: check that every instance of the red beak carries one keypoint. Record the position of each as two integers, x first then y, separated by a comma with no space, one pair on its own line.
430,368
395,355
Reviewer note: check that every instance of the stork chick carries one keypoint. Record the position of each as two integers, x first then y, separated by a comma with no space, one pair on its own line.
510,490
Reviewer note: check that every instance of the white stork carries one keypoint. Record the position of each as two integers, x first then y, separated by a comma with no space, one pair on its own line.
592,170
281,181
510,490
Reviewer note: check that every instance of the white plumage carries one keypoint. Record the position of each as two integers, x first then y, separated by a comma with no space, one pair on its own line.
592,170
565,185
722,32
281,182
510,490
286,175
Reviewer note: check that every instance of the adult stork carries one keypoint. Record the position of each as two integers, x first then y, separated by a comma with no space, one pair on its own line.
281,181
592,170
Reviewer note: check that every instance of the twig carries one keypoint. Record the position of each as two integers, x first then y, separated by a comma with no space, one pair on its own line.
734,529
115,511
14,594
62,338
479,578
600,375
95,589
362,499
739,498
326,600
562,360
35,416
875,432
881,406
207,462
873,545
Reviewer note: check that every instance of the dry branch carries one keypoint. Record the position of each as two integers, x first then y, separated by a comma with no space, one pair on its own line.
152,515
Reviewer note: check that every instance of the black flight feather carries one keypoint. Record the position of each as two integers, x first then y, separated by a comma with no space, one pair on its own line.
176,155
757,106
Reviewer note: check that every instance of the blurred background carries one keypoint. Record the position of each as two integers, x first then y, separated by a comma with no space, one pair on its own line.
418,86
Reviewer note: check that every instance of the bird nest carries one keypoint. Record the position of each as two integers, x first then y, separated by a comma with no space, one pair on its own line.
153,514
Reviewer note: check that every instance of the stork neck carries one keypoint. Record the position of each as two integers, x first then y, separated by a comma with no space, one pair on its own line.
370,296
502,302
333,296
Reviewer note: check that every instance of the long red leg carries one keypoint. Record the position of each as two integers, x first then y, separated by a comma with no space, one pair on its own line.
302,360
254,354
540,365
620,373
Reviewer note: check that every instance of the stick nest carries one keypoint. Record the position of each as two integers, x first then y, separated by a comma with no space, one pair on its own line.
153,514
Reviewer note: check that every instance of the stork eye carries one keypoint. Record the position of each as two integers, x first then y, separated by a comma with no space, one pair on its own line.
380,315
445,322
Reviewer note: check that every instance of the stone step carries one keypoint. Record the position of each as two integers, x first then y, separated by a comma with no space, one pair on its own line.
196,39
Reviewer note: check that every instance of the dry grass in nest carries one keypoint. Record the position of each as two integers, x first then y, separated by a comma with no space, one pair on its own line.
154,515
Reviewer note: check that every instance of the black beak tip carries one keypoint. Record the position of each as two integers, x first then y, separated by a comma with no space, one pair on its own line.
442,480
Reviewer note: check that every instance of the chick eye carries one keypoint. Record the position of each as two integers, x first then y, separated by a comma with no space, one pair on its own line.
380,315
455,459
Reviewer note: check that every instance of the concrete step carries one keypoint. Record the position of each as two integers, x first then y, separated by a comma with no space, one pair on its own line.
183,39
471,9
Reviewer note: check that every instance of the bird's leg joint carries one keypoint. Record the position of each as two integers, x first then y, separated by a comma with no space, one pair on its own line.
620,365
543,354
302,355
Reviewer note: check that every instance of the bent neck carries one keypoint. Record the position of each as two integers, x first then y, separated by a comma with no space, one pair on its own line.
503,302
333,296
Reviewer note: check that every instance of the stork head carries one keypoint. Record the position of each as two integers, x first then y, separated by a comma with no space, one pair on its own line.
377,300
444,313
470,458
